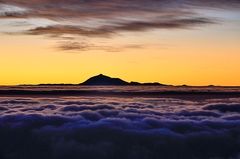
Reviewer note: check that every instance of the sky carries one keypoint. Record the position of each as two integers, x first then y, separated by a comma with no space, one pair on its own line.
175,42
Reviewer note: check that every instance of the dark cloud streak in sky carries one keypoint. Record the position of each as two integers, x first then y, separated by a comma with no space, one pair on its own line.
111,17
124,26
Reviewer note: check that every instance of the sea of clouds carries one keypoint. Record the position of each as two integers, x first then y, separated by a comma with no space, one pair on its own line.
118,128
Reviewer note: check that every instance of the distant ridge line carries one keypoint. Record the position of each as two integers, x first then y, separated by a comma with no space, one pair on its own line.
103,80
106,81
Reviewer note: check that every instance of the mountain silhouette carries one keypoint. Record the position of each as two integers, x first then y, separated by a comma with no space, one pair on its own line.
106,80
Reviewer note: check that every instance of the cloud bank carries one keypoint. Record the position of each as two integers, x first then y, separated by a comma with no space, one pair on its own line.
112,127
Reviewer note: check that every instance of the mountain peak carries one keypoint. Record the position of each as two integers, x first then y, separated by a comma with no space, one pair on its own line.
106,80
102,76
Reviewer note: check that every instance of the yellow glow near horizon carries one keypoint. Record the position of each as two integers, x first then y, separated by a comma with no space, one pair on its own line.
175,59
175,42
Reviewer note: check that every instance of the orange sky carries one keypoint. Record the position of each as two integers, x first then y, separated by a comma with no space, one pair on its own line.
193,55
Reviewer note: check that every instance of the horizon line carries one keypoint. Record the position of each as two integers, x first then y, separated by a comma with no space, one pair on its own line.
79,84
75,84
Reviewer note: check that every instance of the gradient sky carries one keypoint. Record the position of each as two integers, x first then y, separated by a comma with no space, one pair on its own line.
177,42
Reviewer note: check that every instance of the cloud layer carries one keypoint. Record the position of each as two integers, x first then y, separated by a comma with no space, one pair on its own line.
112,127
92,18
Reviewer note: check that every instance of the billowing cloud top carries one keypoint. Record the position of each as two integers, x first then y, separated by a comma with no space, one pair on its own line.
94,18
115,127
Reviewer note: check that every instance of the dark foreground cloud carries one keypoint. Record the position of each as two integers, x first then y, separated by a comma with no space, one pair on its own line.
107,127
224,107
36,136
18,101
80,108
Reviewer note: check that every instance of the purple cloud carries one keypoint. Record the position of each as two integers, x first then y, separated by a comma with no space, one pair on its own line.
107,19
117,128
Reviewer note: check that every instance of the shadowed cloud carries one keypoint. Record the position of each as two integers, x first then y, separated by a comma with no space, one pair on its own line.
224,107
109,18
120,27
85,46
107,127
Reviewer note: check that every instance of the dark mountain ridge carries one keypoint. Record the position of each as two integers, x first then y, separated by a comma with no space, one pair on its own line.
106,80
102,80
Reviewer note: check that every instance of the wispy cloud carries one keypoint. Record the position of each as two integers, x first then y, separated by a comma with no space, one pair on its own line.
8,11
111,17
107,30
87,46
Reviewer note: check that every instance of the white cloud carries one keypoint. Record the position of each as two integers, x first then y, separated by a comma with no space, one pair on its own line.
8,10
